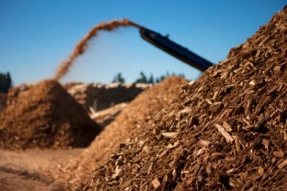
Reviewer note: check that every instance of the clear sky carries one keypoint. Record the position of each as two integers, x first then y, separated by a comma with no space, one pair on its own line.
37,35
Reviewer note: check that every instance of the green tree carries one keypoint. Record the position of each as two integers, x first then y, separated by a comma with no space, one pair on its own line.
5,82
142,79
167,74
8,83
181,75
118,78
162,78
151,79
2,83
157,80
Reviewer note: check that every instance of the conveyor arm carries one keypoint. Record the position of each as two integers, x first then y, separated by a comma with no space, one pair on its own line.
174,49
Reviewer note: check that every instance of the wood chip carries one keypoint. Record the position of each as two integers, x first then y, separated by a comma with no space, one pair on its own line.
226,126
224,133
278,154
252,83
277,70
260,170
282,164
170,134
156,183
203,143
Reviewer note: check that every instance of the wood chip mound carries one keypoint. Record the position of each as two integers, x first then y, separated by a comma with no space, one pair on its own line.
3,100
226,131
46,116
131,120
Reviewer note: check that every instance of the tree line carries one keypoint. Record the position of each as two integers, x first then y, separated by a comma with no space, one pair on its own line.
144,78
5,82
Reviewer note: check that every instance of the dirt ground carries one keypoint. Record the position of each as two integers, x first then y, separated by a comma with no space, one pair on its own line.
20,170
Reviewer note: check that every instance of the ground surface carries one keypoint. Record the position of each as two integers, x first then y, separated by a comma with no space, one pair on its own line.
20,170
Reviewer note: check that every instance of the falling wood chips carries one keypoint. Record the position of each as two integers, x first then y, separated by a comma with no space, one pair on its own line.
232,134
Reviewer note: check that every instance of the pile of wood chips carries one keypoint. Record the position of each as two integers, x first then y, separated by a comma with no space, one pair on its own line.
131,120
226,131
46,116
3,100
102,96
106,116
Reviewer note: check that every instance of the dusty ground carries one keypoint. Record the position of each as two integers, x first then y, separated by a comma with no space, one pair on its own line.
20,170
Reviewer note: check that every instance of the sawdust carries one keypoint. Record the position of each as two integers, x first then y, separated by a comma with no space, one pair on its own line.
82,46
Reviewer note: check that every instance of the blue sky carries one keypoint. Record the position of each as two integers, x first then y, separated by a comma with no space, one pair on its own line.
37,35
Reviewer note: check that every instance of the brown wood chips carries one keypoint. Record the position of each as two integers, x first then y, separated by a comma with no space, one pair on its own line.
131,120
46,116
226,131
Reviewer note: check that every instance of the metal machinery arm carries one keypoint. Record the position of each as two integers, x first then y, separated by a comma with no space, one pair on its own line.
174,49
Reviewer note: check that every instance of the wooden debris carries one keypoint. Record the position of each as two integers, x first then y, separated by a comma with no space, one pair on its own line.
45,116
116,135
155,183
226,126
203,143
282,164
240,101
224,133
279,154
170,134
